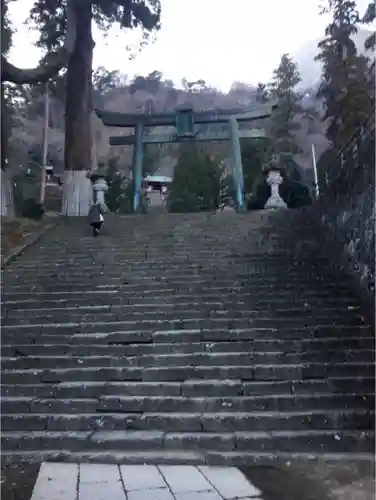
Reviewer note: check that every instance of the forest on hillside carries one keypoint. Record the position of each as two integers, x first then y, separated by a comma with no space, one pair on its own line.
325,116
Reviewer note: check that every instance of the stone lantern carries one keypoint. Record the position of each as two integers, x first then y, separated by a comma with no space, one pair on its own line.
273,170
100,187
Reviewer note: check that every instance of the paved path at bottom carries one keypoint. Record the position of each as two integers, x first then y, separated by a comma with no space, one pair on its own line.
69,481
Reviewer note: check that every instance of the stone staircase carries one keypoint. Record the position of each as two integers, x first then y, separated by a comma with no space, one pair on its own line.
202,338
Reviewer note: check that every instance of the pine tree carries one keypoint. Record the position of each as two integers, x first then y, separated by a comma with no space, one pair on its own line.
196,183
254,154
368,18
283,125
345,86
370,43
262,94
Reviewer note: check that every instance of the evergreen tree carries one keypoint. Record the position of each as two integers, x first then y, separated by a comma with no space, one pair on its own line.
115,196
262,94
103,82
285,79
6,104
152,156
370,43
226,186
196,184
368,18
345,86
6,28
65,28
54,60
255,152
7,116
226,192
283,124
283,143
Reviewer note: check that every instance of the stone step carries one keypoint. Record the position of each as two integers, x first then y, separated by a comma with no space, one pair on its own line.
138,322
157,250
299,333
156,239
173,323
192,388
164,457
131,285
341,419
152,238
176,404
119,251
218,306
332,441
147,302
267,262
176,336
192,359
304,346
223,275
267,270
302,371
109,313
119,248
153,246
219,336
216,283
156,243
165,295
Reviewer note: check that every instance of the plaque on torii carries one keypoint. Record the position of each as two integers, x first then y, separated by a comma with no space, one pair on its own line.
187,122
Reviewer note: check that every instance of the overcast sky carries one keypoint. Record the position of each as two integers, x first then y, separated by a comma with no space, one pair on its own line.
220,41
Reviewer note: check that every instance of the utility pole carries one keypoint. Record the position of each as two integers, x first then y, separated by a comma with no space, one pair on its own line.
45,142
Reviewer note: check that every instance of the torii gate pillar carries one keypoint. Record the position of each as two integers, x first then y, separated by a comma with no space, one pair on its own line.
237,167
138,158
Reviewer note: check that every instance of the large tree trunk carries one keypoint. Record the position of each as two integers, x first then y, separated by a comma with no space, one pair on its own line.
6,192
7,201
77,194
53,63
78,135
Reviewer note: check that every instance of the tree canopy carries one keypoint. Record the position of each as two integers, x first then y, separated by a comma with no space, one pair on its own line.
196,184
283,125
345,85
54,61
60,24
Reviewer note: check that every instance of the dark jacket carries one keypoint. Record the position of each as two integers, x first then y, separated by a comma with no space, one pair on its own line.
95,214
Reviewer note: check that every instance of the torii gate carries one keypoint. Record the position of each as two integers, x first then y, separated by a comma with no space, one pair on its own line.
186,122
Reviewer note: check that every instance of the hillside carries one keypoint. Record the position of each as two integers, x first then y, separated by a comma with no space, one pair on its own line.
241,95
168,99
153,94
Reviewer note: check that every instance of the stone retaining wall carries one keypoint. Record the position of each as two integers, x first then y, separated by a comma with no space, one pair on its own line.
346,211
